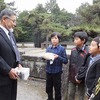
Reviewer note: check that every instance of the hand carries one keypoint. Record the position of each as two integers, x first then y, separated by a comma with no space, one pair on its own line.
13,74
87,97
55,56
78,81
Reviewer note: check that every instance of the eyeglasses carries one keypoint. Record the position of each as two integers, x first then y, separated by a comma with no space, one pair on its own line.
14,21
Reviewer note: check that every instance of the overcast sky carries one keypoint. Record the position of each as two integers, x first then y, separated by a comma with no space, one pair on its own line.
69,5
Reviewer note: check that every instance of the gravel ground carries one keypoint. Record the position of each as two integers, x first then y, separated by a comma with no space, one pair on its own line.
31,90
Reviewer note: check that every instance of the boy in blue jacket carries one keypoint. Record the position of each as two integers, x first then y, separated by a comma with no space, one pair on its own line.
54,69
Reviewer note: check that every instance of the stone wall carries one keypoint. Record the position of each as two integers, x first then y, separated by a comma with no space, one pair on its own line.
25,45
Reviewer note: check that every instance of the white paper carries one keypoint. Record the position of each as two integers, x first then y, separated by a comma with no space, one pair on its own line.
23,72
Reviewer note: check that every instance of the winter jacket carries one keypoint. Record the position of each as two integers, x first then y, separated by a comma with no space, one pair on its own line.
76,60
92,76
82,70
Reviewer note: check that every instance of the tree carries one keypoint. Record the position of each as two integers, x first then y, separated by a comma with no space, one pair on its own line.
11,5
40,9
51,6
85,12
2,5
96,1
90,18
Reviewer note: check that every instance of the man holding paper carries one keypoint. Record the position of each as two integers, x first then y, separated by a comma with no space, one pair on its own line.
9,56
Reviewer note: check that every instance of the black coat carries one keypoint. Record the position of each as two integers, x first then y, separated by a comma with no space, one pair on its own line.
7,61
92,76
76,60
82,70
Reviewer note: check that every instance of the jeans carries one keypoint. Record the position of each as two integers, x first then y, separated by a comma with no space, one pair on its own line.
72,91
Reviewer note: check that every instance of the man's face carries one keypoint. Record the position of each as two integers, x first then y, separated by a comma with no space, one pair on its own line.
9,22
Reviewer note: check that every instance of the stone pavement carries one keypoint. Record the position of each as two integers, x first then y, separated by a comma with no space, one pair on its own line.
31,90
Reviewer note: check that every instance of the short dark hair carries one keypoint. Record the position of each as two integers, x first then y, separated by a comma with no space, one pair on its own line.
7,12
82,35
97,39
56,33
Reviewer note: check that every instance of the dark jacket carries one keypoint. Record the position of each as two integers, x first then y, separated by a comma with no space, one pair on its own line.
97,97
97,90
82,70
92,76
76,60
7,61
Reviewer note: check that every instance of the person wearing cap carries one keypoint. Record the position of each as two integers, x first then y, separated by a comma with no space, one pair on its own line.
9,56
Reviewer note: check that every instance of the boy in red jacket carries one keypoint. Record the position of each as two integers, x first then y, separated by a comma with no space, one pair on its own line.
78,53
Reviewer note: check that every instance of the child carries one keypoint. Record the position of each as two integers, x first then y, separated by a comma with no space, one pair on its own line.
76,59
54,69
93,71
